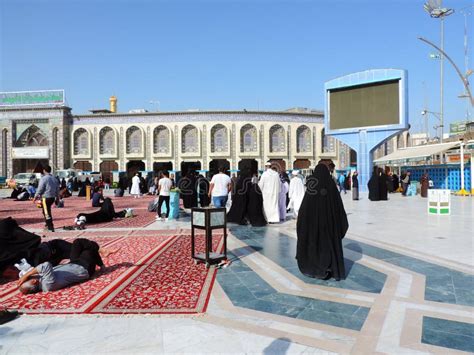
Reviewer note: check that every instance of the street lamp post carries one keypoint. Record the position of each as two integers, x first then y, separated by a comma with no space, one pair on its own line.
434,9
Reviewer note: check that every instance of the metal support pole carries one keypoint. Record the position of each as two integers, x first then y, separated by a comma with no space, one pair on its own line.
441,94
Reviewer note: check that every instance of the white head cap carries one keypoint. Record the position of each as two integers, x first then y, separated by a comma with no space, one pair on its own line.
295,172
268,163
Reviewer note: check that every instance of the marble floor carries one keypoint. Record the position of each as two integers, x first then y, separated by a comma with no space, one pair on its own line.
408,290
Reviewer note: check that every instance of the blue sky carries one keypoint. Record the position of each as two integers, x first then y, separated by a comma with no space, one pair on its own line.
258,54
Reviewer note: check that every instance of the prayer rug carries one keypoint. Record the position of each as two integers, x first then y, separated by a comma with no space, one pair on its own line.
149,274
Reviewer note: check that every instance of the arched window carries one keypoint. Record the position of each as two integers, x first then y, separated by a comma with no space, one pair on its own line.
328,144
189,139
161,140
81,142
32,137
400,141
277,139
303,139
248,139
134,140
219,139
107,141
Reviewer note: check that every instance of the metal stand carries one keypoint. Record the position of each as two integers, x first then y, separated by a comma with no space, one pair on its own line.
201,219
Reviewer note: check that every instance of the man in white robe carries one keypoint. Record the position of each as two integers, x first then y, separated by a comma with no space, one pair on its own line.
296,192
270,186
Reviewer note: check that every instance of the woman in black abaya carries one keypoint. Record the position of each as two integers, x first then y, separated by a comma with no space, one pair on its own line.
238,210
322,223
383,187
373,185
255,206
203,184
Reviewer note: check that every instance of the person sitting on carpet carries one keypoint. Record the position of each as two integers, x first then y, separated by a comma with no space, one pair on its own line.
97,197
105,214
84,258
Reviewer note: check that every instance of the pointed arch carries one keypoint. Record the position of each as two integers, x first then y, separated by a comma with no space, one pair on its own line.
33,136
107,141
277,139
134,138
189,139
303,139
161,140
81,139
219,139
248,138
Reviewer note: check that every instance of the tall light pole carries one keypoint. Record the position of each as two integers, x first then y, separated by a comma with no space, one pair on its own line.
434,9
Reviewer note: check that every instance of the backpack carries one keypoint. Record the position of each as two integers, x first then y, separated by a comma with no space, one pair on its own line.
153,206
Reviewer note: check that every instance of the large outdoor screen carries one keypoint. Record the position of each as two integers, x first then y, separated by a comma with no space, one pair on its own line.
375,104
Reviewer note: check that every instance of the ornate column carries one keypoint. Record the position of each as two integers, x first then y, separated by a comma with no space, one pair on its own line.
233,148
121,150
148,149
177,151
204,148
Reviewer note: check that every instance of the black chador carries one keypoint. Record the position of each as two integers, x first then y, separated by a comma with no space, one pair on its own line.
255,207
238,210
373,185
321,225
203,185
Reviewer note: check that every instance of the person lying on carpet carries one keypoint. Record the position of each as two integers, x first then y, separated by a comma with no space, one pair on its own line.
85,256
105,214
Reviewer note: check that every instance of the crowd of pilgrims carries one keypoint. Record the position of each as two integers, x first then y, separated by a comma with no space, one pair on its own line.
314,201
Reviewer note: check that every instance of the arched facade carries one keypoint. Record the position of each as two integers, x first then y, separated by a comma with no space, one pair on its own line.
202,139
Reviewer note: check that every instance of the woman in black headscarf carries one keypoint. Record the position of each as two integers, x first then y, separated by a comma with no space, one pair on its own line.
383,187
203,184
322,223
373,185
238,210
187,186
255,206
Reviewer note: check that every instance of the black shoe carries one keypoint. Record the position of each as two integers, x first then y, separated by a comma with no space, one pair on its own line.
7,316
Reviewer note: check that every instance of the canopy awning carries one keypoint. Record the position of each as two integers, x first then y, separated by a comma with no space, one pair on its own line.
416,153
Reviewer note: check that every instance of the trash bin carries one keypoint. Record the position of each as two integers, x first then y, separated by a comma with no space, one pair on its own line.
174,205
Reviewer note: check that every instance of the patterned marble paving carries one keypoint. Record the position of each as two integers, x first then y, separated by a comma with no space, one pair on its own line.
442,284
281,249
446,333
248,290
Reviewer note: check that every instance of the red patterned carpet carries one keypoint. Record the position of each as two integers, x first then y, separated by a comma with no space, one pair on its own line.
149,274
30,217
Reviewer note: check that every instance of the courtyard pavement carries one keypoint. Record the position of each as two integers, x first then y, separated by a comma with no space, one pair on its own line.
408,290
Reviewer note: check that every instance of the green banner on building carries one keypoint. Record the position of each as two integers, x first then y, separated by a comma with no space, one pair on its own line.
457,127
28,98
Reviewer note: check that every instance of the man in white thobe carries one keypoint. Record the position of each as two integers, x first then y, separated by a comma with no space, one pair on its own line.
296,192
270,186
